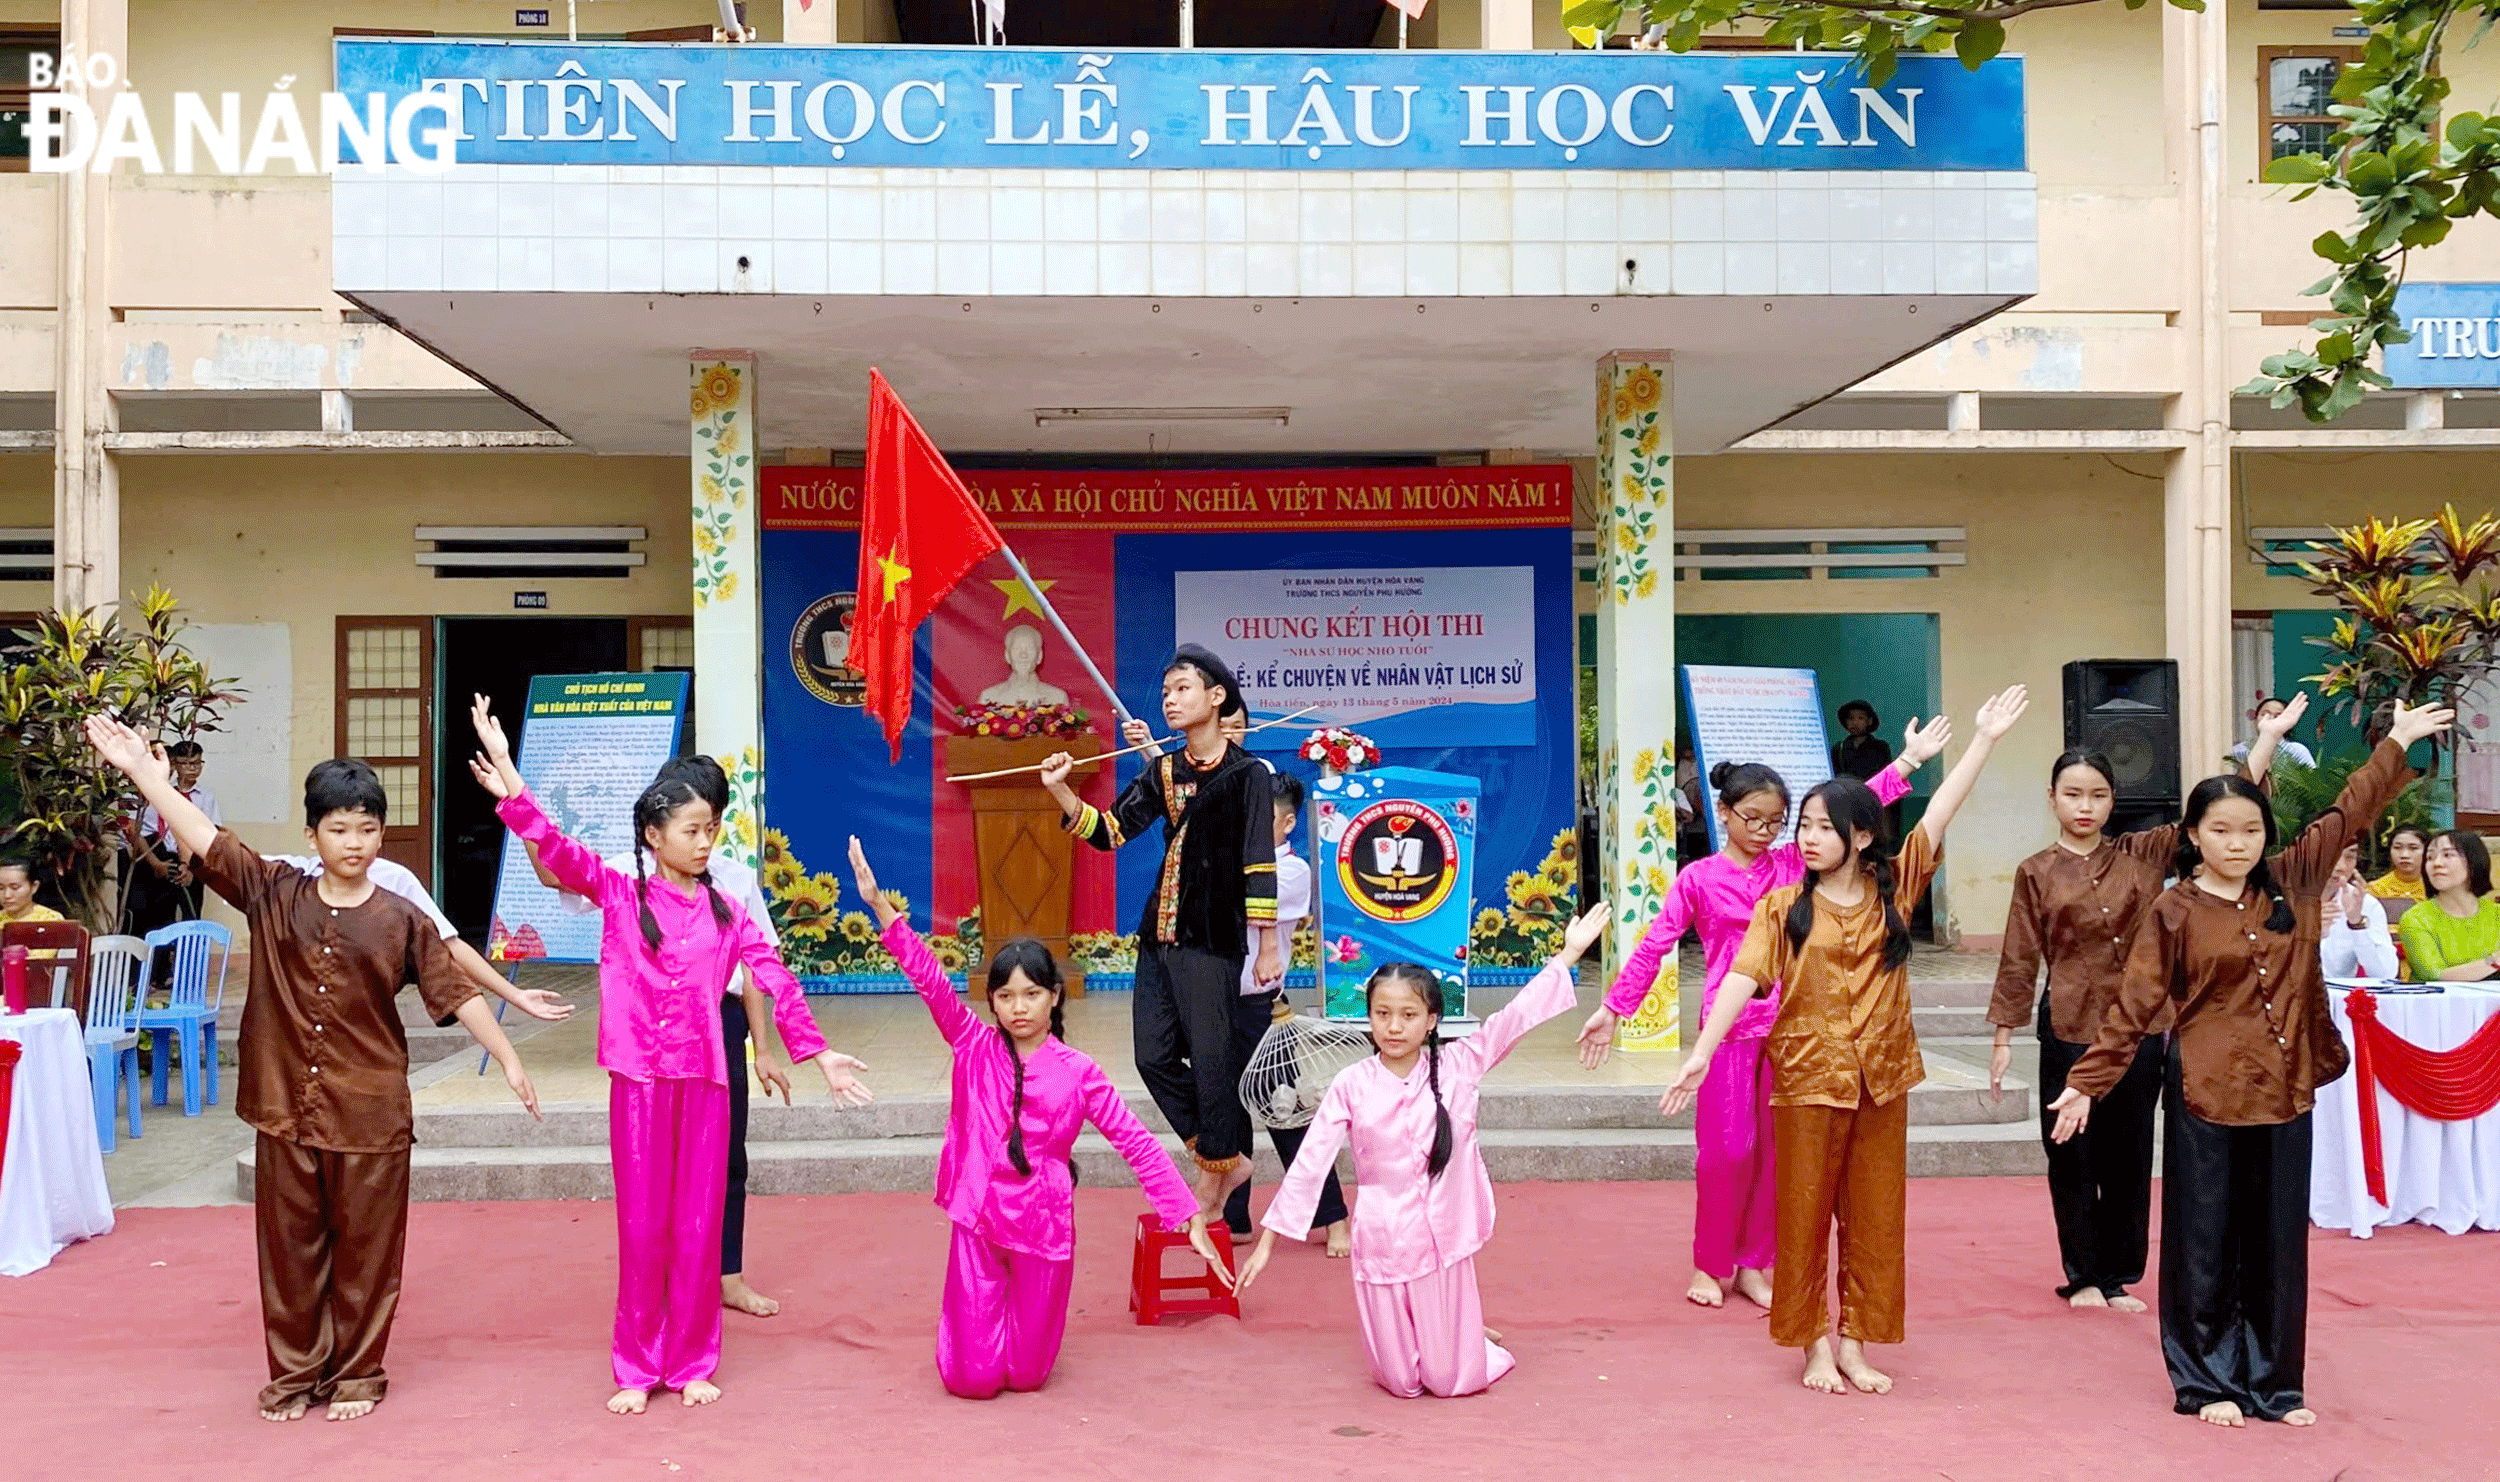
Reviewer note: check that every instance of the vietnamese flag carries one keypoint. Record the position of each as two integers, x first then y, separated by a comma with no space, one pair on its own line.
920,532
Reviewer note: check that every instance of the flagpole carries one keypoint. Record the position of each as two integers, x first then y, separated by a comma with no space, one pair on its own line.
1052,613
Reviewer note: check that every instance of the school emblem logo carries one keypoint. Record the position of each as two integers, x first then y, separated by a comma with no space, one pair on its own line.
1398,860
820,651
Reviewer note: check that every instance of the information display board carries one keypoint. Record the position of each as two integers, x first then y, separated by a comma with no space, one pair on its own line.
587,745
1772,716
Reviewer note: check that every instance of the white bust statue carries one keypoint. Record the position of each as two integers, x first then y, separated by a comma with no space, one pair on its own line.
1023,686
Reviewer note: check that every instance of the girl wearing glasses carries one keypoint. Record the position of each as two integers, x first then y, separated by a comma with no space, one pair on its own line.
2075,910
1733,1232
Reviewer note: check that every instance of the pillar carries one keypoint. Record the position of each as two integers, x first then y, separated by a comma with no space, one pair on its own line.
2196,488
86,480
1636,665
728,699
1509,25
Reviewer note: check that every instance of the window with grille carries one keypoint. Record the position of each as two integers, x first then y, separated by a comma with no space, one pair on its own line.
385,719
19,46
2295,87
26,554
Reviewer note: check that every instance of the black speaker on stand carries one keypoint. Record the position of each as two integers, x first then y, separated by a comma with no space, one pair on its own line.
2128,710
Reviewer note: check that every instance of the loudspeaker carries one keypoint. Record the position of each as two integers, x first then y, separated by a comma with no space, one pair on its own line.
2128,709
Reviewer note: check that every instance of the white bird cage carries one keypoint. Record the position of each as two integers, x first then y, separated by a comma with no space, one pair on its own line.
1293,1066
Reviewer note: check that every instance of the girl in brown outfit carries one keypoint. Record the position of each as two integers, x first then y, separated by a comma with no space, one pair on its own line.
2228,957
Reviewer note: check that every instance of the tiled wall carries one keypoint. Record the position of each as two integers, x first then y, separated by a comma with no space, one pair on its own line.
1084,233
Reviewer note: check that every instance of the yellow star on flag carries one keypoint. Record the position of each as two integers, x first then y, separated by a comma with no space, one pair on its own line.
896,573
1020,597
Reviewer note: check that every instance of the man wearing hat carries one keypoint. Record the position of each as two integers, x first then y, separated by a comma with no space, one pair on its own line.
1213,908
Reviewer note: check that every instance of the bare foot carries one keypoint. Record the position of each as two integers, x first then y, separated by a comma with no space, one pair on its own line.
1822,1375
2302,1416
1865,1376
701,1392
1704,1291
628,1401
2125,1303
1755,1287
351,1409
1493,1335
737,1296
2089,1297
1340,1241
2222,1412
292,1410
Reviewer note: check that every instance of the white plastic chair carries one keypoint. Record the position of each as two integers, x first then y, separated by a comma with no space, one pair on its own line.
117,973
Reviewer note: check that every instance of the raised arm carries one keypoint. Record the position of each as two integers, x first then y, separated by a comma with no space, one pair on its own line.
2259,767
1996,717
920,966
129,753
2309,861
574,865
1139,804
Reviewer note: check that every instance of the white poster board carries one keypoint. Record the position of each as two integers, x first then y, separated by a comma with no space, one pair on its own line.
587,746
2478,746
1772,716
1444,655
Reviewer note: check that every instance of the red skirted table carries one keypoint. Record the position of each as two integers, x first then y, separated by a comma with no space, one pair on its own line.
2432,1064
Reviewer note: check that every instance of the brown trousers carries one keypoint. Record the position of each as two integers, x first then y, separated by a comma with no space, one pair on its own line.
1849,1163
332,1228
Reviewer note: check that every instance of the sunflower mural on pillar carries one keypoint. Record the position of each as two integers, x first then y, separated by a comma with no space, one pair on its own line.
728,720
724,466
1635,648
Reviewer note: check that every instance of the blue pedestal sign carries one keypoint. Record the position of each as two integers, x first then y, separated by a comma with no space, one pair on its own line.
1394,863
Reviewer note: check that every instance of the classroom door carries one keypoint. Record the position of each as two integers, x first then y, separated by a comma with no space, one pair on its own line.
496,657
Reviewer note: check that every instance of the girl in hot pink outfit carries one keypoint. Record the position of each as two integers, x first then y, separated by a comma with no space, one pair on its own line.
1004,1179
1734,1194
668,948
1425,1205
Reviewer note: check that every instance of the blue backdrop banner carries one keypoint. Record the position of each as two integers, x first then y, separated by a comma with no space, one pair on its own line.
531,103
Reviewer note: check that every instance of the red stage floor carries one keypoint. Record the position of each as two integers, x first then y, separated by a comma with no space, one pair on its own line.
138,1355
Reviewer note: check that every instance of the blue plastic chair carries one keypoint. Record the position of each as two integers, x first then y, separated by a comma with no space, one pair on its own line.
188,1021
117,976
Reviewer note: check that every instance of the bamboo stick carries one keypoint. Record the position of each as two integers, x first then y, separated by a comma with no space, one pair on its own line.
1086,761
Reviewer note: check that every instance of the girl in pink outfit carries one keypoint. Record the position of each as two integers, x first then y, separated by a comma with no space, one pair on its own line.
667,950
1425,1205
1004,1176
1734,1191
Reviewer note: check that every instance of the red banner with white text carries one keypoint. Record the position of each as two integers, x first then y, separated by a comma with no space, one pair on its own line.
1506,496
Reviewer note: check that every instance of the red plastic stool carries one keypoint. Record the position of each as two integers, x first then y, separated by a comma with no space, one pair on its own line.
1149,1287
9,1051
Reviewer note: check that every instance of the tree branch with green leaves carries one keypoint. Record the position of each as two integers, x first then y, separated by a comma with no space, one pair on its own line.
1875,32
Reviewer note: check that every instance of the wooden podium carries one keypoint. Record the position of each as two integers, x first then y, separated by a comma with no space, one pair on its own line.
1027,858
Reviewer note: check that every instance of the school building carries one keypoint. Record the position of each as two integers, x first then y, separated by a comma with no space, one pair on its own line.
1927,385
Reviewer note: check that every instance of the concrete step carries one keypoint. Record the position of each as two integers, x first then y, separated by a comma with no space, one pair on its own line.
909,1164
1953,1096
1951,993
1947,1021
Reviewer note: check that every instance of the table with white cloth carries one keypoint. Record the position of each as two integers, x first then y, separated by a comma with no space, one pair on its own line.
52,1189
2445,1174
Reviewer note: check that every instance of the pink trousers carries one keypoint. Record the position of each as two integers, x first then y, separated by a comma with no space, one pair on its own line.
1003,1316
1426,1336
669,1143
1735,1195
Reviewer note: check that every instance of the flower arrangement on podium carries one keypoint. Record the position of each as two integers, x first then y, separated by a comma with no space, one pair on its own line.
1338,750
1015,721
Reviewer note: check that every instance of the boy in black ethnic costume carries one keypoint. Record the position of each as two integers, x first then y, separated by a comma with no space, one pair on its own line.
1213,907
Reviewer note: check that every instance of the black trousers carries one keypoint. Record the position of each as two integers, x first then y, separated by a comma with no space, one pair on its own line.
1253,1014
733,1214
1182,1021
2234,1259
2101,1182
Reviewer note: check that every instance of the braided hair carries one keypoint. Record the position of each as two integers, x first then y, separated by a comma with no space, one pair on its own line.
653,810
1853,810
1031,958
1425,984
2190,858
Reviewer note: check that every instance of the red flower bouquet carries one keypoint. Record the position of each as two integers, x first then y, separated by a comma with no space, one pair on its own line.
1339,749
1017,722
